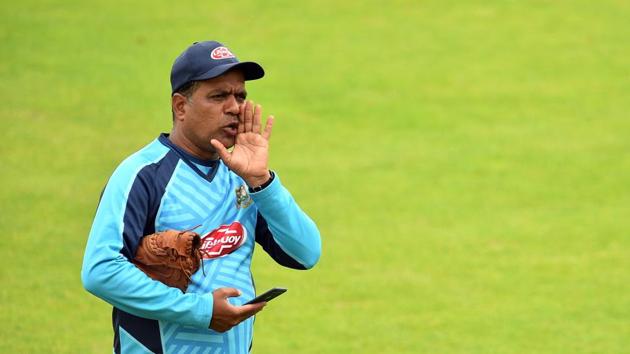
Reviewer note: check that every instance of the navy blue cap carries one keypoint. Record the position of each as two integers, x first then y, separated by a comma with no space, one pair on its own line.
205,60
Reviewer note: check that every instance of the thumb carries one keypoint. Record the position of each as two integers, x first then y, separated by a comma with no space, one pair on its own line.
223,153
227,292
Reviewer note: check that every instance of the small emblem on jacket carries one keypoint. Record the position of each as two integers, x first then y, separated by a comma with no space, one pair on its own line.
243,200
223,240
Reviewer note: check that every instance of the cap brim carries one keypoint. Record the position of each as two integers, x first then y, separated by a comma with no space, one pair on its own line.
250,69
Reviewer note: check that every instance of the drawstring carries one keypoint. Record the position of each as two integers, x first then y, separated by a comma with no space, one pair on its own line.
200,255
192,228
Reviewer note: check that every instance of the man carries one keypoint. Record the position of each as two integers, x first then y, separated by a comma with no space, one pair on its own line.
189,178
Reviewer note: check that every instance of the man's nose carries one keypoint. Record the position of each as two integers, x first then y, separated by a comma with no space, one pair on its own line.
232,105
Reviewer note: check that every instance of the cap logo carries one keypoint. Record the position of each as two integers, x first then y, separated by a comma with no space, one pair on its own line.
219,53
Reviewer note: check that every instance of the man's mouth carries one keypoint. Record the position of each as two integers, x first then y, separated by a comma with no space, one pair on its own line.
231,129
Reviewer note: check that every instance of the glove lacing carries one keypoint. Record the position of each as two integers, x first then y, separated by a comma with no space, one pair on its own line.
197,252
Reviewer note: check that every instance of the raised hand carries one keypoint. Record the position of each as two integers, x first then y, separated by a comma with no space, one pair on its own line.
250,155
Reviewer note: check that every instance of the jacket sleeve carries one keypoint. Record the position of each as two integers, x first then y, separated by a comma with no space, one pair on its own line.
107,271
284,230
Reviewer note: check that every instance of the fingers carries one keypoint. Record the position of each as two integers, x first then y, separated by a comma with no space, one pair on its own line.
237,315
256,121
225,315
223,153
241,118
227,292
267,132
248,116
250,120
247,311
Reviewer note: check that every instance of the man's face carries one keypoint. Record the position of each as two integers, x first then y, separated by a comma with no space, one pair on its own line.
212,113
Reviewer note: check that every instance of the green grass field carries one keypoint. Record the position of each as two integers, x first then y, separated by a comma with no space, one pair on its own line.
467,162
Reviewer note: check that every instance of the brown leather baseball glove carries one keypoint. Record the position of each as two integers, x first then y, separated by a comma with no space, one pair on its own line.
169,256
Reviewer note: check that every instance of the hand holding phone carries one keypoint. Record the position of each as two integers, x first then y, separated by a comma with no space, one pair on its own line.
225,315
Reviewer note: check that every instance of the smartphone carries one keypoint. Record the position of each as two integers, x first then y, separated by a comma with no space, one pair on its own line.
267,296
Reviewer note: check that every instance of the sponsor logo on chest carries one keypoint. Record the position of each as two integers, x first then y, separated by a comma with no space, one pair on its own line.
223,240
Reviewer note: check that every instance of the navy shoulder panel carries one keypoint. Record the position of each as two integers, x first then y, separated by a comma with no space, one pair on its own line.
144,200
265,239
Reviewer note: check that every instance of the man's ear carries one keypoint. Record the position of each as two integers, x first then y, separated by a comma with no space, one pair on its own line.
178,104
